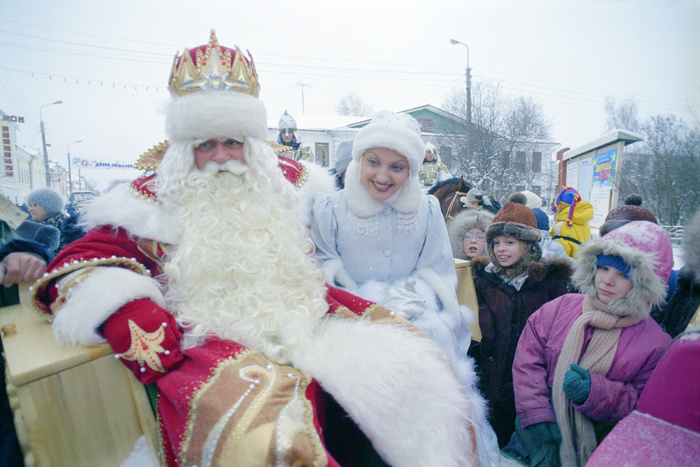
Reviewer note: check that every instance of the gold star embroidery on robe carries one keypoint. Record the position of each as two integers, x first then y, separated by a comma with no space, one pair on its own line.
145,347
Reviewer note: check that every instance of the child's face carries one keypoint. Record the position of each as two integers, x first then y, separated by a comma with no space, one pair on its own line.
508,250
611,284
383,172
474,243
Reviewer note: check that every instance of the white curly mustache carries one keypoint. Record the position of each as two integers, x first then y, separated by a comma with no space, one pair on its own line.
233,166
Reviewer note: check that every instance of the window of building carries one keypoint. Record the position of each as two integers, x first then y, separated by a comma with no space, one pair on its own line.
537,190
505,155
427,124
520,161
321,153
537,162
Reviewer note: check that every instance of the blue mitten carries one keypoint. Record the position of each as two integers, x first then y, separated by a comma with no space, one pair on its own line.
577,384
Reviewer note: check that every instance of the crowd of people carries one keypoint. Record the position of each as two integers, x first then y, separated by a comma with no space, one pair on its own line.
300,316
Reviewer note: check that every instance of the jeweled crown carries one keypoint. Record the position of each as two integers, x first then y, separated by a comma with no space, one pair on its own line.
212,66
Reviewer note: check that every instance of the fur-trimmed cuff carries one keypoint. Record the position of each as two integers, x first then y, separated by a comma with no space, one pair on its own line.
334,273
447,296
94,298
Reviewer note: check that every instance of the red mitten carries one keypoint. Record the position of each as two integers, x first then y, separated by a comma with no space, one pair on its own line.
146,338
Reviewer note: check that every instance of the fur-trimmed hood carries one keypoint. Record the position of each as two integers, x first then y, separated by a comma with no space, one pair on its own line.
461,223
646,248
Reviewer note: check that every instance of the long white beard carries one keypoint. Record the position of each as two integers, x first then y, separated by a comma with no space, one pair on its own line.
243,268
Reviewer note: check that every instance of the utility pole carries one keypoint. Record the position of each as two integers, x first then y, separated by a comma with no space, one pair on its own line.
70,178
301,85
43,143
469,99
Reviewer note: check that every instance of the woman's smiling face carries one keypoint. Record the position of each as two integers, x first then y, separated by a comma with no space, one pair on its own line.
383,172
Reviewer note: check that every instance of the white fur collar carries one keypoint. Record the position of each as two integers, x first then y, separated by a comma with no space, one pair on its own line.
122,207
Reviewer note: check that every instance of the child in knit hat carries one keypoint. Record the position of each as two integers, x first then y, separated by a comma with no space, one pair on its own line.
584,359
573,215
467,232
510,285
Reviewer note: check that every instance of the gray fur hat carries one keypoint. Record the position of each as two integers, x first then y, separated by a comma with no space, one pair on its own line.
646,248
47,199
461,223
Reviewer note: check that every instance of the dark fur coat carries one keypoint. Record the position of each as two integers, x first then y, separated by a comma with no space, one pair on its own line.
503,311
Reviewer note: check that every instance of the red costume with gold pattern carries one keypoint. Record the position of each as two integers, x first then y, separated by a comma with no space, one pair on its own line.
221,402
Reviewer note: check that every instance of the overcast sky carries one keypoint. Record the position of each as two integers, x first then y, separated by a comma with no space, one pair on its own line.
109,61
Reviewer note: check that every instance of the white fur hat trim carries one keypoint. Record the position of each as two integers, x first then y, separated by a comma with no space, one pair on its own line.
215,114
396,131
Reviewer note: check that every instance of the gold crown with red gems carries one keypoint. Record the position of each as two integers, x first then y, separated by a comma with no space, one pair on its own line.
212,66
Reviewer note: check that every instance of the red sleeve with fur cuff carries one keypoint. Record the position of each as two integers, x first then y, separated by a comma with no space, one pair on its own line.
146,338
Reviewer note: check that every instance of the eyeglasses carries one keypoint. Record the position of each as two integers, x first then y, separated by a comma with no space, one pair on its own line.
471,236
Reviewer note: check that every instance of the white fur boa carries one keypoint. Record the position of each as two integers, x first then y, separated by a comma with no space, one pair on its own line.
427,420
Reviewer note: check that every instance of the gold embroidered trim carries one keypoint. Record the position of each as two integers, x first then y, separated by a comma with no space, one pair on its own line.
39,287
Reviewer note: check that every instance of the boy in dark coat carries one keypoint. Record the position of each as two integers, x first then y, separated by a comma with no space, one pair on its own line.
510,287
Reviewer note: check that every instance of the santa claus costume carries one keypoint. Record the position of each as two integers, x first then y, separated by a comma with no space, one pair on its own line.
204,282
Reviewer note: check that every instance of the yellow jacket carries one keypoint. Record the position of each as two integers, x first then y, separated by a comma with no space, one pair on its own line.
571,233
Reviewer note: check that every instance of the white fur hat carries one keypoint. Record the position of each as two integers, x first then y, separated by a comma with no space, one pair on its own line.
400,133
396,131
215,114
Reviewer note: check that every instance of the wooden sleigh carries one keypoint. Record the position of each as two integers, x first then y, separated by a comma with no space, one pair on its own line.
72,406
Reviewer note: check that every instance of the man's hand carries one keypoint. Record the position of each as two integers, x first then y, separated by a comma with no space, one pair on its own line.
146,338
17,267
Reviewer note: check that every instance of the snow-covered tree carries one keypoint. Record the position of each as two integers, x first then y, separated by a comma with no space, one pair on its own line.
351,104
664,168
504,129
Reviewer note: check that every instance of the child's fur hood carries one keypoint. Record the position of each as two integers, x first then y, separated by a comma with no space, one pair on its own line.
648,289
463,221
537,271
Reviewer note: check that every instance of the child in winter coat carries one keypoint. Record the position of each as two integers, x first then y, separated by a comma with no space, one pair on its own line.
384,240
467,232
573,215
509,288
583,359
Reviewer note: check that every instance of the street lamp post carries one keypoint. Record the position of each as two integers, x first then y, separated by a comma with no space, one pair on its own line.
469,100
43,142
469,81
70,179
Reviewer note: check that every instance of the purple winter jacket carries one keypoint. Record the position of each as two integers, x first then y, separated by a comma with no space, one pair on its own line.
613,395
